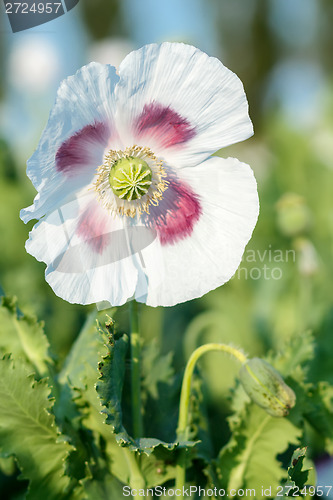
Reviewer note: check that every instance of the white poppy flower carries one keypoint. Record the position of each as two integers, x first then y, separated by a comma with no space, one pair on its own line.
130,202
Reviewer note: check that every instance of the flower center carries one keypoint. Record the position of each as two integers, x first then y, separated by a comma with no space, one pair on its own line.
130,178
130,181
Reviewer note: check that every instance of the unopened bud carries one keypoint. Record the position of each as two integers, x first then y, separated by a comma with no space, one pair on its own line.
266,387
293,215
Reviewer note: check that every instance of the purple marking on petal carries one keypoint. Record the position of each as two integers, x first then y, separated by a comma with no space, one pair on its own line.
164,125
92,227
84,148
178,211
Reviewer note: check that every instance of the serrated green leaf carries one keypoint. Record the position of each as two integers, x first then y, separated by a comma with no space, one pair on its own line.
110,384
22,336
297,476
119,458
82,360
78,379
76,396
294,358
96,347
109,388
80,370
28,431
114,454
249,459
80,402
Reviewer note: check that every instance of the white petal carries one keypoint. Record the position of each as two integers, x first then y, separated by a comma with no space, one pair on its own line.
195,87
83,100
210,256
75,270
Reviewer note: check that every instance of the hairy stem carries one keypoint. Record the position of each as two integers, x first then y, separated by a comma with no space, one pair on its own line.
135,343
183,428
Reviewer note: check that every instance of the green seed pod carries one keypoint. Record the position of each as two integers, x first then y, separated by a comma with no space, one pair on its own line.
293,215
266,387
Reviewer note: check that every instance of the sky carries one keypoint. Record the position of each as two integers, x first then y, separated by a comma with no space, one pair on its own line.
36,60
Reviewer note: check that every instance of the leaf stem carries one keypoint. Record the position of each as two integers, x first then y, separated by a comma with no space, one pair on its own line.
135,343
183,427
136,479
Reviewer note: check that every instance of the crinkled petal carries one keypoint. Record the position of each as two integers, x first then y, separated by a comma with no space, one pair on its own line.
210,249
81,126
177,212
86,252
180,102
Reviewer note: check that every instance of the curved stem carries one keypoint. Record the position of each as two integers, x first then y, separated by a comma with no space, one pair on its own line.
135,343
183,429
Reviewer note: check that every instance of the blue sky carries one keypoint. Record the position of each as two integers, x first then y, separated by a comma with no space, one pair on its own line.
173,20
192,21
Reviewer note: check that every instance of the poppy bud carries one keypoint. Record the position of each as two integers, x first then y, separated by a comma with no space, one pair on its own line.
265,386
293,215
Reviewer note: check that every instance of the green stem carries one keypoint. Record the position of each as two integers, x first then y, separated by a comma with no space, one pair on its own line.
136,371
136,479
183,428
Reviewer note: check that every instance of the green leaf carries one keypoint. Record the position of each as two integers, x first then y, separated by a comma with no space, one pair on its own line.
7,465
297,476
107,487
98,483
28,431
104,440
156,369
157,468
80,370
249,459
160,392
321,367
78,379
99,347
77,404
109,388
81,363
22,336
79,401
294,358
319,411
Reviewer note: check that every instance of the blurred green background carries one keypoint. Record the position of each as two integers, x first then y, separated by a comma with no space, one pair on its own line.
282,51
